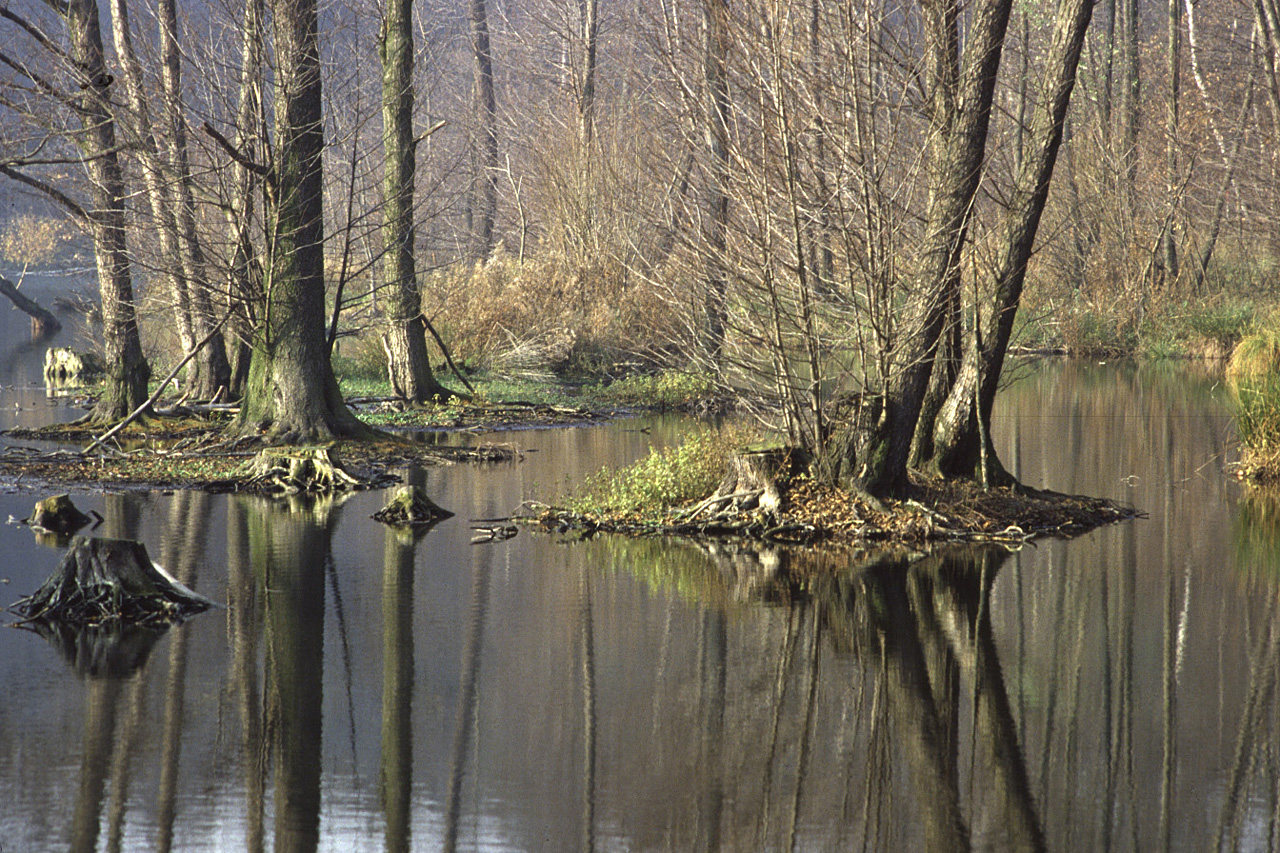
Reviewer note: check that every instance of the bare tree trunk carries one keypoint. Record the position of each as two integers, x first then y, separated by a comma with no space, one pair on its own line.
292,395
715,59
127,369
1172,182
1131,97
213,370
408,364
959,435
871,453
485,192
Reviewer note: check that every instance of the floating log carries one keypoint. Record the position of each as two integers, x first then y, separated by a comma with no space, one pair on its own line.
42,321
101,580
409,506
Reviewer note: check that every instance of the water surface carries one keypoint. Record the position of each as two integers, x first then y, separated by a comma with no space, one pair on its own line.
367,690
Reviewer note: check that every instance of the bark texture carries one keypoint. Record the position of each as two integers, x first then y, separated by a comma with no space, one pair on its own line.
127,368
292,396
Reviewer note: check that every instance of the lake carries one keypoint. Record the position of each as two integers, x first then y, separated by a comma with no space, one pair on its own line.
365,690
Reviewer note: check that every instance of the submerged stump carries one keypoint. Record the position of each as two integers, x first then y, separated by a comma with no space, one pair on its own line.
298,469
409,506
57,514
65,367
100,580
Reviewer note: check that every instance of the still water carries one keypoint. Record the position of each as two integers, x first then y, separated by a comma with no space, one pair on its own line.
364,690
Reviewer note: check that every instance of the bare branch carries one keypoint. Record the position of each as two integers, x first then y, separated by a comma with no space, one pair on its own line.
236,154
49,190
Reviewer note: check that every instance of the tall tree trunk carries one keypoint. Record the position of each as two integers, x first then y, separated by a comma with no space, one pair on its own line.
245,285
959,435
1173,55
1131,94
485,192
292,395
127,369
408,364
871,452
715,61
212,369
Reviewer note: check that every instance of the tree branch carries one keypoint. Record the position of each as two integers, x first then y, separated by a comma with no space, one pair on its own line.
236,154
49,190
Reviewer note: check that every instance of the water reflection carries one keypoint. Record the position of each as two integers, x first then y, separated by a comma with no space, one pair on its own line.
371,690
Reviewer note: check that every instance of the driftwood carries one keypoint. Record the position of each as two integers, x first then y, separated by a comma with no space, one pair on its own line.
42,321
410,507
298,469
101,580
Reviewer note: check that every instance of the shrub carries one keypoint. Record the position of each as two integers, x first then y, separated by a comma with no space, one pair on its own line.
663,479
1254,373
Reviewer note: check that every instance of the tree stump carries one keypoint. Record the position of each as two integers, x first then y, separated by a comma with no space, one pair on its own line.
100,580
750,484
293,470
57,514
65,367
409,506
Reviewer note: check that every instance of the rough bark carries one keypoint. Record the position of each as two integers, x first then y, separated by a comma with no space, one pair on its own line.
870,454
408,363
127,368
959,431
292,396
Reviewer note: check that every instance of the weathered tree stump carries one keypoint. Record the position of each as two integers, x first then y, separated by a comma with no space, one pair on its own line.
101,580
298,469
409,506
63,366
57,514
750,484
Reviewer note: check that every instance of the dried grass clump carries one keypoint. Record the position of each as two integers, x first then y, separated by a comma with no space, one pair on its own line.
1254,374
543,314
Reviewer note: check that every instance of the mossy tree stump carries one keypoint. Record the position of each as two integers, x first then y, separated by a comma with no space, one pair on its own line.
57,514
409,507
100,580
298,469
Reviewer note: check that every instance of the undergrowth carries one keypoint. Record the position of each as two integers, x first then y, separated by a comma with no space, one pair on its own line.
662,480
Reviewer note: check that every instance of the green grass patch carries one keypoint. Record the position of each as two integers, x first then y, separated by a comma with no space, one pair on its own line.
667,389
662,480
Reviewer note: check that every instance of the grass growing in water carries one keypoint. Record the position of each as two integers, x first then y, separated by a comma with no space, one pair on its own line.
662,480
1254,371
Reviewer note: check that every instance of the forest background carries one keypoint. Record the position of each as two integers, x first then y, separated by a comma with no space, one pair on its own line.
737,191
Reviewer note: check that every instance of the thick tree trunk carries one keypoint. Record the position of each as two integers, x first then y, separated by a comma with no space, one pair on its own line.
127,369
292,395
958,434
870,454
408,364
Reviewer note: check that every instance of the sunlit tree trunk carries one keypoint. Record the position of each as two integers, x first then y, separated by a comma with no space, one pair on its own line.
127,369
1173,53
408,364
715,58
292,395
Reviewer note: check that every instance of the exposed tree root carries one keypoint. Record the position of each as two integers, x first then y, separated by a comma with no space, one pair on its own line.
298,469
100,580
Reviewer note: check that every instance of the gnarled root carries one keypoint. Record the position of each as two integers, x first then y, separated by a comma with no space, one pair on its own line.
299,469
410,506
